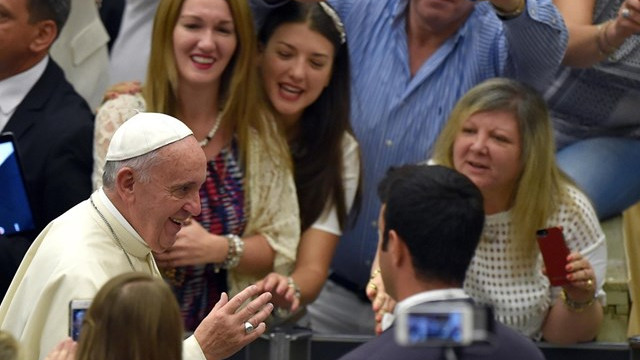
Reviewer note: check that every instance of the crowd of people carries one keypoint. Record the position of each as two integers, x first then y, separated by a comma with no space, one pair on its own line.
246,162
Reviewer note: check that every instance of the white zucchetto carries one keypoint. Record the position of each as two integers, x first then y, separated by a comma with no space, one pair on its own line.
143,133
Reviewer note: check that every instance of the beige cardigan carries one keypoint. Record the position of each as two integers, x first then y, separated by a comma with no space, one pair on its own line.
270,189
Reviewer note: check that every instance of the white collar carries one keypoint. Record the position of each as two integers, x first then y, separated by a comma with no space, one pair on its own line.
15,88
422,297
114,211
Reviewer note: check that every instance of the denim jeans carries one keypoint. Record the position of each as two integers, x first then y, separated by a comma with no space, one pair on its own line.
607,170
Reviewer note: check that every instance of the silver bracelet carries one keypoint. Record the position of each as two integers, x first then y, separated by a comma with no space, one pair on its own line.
234,253
233,258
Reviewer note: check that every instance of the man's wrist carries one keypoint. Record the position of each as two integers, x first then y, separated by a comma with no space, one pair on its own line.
506,14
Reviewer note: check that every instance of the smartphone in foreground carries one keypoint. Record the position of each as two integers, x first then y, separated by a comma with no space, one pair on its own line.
554,253
77,310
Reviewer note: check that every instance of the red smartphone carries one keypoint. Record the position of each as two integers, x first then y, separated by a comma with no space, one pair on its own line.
554,253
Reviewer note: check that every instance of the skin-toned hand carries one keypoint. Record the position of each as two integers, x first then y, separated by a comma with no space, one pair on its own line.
222,333
628,21
579,272
283,294
381,302
581,276
65,350
194,245
127,87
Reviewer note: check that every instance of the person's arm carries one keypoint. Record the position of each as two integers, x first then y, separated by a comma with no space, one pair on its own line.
577,316
591,43
535,42
195,245
309,275
109,117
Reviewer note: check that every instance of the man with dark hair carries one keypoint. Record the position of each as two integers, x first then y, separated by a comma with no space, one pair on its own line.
52,124
429,226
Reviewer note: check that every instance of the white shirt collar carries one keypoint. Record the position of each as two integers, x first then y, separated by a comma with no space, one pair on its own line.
112,209
419,298
15,88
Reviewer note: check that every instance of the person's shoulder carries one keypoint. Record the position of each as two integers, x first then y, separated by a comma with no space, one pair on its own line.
63,96
385,347
508,342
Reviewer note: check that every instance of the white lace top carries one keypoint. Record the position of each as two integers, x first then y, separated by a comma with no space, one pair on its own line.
515,286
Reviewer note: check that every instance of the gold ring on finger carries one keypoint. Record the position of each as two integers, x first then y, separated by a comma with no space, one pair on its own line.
373,286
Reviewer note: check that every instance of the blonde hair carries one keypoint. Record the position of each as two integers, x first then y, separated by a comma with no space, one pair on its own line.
9,347
529,209
241,95
134,316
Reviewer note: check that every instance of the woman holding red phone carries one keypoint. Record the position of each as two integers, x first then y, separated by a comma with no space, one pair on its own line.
499,135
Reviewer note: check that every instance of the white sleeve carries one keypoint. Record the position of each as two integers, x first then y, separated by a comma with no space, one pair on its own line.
191,349
328,220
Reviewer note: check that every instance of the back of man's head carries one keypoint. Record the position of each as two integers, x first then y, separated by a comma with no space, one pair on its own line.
56,10
438,213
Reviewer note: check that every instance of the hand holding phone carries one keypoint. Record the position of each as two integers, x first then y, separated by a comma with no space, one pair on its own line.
77,310
554,253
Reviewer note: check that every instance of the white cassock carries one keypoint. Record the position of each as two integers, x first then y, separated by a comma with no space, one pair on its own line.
71,259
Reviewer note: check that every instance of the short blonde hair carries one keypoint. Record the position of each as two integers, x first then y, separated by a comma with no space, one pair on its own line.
529,209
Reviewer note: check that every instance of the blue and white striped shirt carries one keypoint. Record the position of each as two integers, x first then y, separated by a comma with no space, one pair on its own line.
397,117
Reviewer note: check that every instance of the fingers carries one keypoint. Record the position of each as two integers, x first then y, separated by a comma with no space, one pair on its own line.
580,273
236,302
65,350
224,299
256,306
260,316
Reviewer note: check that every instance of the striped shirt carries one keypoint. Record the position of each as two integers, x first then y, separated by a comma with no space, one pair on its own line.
397,117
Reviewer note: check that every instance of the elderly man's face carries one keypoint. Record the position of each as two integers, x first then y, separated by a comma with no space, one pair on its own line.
171,196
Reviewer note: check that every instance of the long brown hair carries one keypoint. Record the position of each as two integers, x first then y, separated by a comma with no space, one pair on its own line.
317,152
134,316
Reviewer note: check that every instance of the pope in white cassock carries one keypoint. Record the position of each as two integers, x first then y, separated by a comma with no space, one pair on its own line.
153,173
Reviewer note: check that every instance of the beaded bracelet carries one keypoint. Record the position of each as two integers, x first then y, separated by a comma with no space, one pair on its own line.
234,253
576,306
294,286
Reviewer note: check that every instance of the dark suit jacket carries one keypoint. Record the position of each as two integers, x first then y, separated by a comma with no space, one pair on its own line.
53,127
507,345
